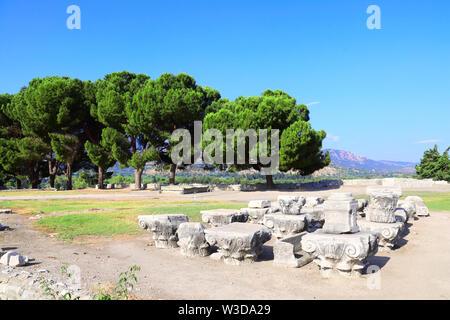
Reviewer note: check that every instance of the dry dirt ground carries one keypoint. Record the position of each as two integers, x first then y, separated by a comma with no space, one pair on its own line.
418,269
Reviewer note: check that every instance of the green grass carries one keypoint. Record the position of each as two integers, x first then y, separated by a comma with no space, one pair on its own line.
70,226
122,221
435,201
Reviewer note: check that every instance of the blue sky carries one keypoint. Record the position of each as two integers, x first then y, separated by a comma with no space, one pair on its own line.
383,94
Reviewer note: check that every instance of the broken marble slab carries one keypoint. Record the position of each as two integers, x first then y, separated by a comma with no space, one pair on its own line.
163,228
219,217
238,243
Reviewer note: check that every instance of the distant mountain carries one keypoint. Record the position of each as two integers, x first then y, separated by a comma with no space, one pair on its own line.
349,159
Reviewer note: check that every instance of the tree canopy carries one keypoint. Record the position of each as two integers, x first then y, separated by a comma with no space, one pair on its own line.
434,166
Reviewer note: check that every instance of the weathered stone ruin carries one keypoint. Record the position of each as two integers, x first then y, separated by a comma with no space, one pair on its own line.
237,243
381,217
283,225
340,246
291,205
288,251
256,210
191,239
220,217
421,208
163,228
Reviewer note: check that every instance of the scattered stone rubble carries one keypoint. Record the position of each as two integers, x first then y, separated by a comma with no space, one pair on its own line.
330,233
18,284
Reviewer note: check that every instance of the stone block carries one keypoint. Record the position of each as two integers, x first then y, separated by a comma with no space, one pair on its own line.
163,228
259,204
313,201
340,214
388,233
421,208
344,253
191,240
13,259
238,242
382,206
291,205
409,206
256,215
284,225
286,251
219,217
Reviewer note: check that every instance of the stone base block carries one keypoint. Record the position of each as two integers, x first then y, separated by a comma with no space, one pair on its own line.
259,204
255,215
220,217
285,250
163,228
389,233
191,240
344,253
237,243
284,225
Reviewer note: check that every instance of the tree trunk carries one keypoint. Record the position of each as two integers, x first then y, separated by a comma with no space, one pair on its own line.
69,177
101,173
51,180
138,178
173,169
269,180
52,170
34,176
19,183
